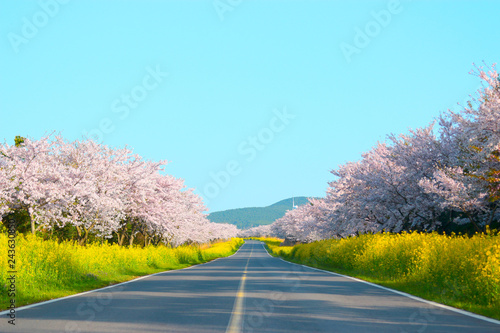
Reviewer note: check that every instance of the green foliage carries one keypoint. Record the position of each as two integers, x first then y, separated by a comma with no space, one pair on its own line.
19,140
22,218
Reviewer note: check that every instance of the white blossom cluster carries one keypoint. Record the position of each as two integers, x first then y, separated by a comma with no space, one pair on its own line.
102,191
425,180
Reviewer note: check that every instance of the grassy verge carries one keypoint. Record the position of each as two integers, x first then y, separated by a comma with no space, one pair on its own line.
463,272
47,269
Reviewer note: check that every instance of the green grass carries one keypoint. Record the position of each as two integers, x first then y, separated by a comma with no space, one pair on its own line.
48,270
458,271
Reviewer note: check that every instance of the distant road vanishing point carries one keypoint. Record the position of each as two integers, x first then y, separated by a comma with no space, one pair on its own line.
247,292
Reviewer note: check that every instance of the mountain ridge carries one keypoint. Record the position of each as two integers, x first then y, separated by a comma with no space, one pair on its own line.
249,217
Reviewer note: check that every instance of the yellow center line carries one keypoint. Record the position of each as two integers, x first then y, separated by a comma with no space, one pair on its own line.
236,321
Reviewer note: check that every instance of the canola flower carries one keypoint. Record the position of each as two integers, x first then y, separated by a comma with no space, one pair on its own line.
458,270
47,269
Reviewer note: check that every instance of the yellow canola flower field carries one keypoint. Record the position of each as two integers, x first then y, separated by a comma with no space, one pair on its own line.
457,270
48,269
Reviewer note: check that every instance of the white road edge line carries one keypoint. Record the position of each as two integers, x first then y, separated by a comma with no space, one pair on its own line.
447,307
112,286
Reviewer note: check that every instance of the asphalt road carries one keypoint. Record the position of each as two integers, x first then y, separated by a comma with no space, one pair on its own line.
247,292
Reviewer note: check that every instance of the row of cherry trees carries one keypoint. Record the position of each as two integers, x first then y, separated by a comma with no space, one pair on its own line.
440,177
100,191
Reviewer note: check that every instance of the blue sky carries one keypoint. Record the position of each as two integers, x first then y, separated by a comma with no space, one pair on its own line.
250,101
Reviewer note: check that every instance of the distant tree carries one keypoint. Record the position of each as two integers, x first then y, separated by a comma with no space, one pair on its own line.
19,140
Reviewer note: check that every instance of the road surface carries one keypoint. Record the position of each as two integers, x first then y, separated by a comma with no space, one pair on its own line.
247,292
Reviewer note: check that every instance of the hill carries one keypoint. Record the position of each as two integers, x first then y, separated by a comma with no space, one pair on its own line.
245,218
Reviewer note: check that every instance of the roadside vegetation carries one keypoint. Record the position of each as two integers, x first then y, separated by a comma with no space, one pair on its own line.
456,270
48,269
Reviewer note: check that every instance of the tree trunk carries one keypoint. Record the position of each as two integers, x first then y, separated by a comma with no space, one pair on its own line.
120,235
83,234
121,238
471,219
83,239
132,232
32,222
492,215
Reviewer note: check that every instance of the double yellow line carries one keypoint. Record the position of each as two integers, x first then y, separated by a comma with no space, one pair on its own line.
236,321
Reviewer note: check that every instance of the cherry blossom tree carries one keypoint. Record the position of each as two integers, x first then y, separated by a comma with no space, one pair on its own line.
259,231
30,177
6,186
415,181
101,191
467,179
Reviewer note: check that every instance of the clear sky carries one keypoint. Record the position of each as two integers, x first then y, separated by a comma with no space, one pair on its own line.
251,101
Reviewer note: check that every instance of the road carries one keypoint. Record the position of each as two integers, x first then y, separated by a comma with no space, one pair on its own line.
247,292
